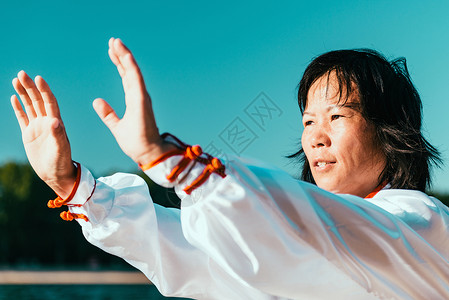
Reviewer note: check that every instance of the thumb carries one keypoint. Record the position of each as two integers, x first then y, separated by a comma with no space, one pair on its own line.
106,113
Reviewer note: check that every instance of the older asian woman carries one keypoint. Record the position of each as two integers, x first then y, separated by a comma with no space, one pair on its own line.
360,228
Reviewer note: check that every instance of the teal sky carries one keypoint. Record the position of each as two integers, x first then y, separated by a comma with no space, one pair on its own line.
204,63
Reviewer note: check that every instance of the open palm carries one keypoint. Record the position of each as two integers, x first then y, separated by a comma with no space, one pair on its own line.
43,133
136,132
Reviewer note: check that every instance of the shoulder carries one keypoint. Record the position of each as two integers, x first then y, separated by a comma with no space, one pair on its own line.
405,199
412,206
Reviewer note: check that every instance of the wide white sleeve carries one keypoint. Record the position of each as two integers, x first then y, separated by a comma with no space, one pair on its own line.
294,240
123,221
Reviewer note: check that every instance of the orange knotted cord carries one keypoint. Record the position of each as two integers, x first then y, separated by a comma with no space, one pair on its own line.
161,158
58,202
215,165
190,153
181,149
69,216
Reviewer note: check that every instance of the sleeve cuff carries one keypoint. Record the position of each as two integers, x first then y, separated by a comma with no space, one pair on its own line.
159,172
85,188
177,167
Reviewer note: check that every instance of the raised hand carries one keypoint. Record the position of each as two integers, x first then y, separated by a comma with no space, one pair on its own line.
43,133
136,132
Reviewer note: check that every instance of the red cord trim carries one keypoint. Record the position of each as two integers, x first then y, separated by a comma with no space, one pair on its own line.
88,198
376,190
161,158
215,165
58,202
186,175
69,216
93,190
190,153
181,148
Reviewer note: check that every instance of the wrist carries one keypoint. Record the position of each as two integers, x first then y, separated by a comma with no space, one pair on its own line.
155,152
64,185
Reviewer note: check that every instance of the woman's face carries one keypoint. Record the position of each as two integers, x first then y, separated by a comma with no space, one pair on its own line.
338,142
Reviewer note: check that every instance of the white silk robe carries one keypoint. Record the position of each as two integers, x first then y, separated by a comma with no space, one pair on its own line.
260,234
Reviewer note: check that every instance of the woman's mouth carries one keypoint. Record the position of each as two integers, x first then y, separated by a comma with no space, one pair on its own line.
323,165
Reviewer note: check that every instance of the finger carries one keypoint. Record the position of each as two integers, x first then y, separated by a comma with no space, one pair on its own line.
111,52
51,105
120,47
106,113
33,93
133,79
121,51
27,103
20,114
116,62
114,57
111,42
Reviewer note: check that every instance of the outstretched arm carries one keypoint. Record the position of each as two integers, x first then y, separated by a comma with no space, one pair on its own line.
43,133
136,132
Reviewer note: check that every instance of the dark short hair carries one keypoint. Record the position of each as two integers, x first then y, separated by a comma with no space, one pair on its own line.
389,101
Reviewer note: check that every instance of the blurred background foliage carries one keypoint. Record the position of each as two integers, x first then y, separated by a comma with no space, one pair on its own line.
34,236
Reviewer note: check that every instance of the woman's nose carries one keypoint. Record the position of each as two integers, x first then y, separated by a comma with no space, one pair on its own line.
320,137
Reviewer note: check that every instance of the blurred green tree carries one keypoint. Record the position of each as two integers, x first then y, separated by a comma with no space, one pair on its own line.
32,235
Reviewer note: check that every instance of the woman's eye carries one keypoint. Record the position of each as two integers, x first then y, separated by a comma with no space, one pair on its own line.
306,123
335,117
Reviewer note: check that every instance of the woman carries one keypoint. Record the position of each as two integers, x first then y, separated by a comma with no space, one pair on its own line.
251,231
